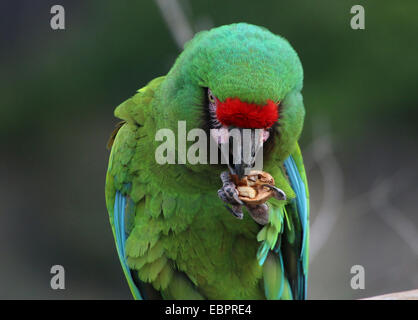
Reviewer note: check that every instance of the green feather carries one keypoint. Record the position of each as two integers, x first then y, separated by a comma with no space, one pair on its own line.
274,278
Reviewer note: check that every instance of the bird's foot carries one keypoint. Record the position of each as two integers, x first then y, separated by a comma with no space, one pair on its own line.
229,194
259,212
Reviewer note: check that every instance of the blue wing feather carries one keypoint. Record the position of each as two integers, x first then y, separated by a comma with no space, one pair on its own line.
120,235
298,185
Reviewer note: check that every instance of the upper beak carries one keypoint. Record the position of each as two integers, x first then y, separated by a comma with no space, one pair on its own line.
242,149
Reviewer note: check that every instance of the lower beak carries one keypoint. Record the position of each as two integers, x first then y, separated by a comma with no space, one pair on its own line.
242,149
238,169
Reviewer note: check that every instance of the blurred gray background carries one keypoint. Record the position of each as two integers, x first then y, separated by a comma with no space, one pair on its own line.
58,90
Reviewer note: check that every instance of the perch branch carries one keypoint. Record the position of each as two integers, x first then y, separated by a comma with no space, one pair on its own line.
404,295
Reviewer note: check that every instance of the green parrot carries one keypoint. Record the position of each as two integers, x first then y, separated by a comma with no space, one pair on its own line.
175,235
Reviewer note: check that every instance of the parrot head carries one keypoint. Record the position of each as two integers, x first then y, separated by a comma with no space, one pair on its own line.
238,77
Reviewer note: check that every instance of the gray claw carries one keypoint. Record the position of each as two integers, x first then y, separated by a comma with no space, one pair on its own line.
236,211
237,199
278,193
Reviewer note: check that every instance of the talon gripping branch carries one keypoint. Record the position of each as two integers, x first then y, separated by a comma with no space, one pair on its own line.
175,238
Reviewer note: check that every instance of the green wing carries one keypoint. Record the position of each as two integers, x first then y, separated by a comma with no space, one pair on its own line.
121,202
141,214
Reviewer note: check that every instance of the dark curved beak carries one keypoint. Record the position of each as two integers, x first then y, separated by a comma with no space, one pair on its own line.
244,150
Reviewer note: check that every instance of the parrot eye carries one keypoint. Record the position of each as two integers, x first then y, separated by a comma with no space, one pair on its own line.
211,97
212,101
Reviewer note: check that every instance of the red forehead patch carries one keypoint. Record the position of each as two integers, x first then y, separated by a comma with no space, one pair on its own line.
234,112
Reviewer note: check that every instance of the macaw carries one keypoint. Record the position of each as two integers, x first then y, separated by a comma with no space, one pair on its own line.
175,235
